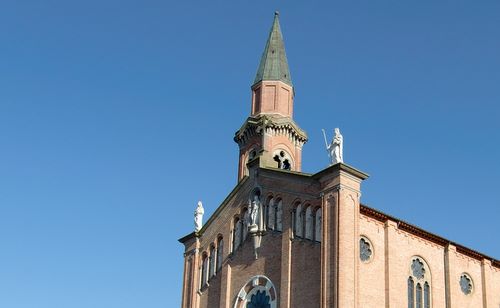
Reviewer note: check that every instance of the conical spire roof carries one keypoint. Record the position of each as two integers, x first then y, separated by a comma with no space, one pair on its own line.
273,64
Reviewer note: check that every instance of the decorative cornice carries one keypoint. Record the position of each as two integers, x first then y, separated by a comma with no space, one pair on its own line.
274,125
495,263
342,167
404,226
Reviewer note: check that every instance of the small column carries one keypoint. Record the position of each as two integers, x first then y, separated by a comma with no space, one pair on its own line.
195,278
451,276
286,262
186,284
390,251
486,282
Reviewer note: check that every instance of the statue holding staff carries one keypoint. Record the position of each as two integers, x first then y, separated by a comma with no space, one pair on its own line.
335,149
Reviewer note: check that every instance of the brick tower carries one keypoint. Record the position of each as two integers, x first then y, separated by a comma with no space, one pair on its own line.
270,131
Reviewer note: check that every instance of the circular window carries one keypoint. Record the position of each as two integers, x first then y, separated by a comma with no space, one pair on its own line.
258,292
466,284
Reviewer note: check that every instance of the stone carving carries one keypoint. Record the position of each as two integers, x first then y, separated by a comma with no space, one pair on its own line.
198,217
336,148
254,211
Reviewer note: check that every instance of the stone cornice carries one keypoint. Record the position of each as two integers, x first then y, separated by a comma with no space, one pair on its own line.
272,124
342,167
404,226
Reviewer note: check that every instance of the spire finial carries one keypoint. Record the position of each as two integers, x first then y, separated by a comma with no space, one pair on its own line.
276,13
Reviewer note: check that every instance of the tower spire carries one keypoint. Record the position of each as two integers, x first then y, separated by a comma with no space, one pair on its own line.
270,133
274,64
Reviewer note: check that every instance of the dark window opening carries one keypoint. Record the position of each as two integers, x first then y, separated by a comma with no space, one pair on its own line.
278,160
286,164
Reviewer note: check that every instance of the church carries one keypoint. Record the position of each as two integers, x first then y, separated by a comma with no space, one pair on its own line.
289,239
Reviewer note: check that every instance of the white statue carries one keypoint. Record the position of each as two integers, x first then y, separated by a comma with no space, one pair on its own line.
198,217
336,148
254,210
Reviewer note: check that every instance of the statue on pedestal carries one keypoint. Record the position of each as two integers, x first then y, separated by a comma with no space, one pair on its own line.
254,213
336,148
198,217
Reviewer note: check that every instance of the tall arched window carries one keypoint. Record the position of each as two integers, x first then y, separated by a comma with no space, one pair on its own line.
204,270
411,287
299,221
220,251
236,234
274,214
211,271
271,215
309,223
419,284
279,215
318,225
427,300
246,220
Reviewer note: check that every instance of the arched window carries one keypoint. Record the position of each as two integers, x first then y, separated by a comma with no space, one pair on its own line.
279,215
411,286
271,215
204,270
211,271
419,284
246,220
299,221
427,300
236,234
419,296
282,159
318,225
309,223
220,251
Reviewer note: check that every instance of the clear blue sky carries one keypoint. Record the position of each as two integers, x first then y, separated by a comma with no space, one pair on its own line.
116,117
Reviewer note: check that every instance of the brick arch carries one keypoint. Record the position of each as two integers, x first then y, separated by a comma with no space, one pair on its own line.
258,283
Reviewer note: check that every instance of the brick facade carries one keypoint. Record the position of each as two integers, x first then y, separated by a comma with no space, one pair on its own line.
327,265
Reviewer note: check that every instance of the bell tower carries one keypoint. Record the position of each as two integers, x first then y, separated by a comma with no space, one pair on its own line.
270,132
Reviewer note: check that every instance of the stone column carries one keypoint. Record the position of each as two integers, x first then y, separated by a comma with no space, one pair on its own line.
390,251
486,282
451,276
186,282
195,278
